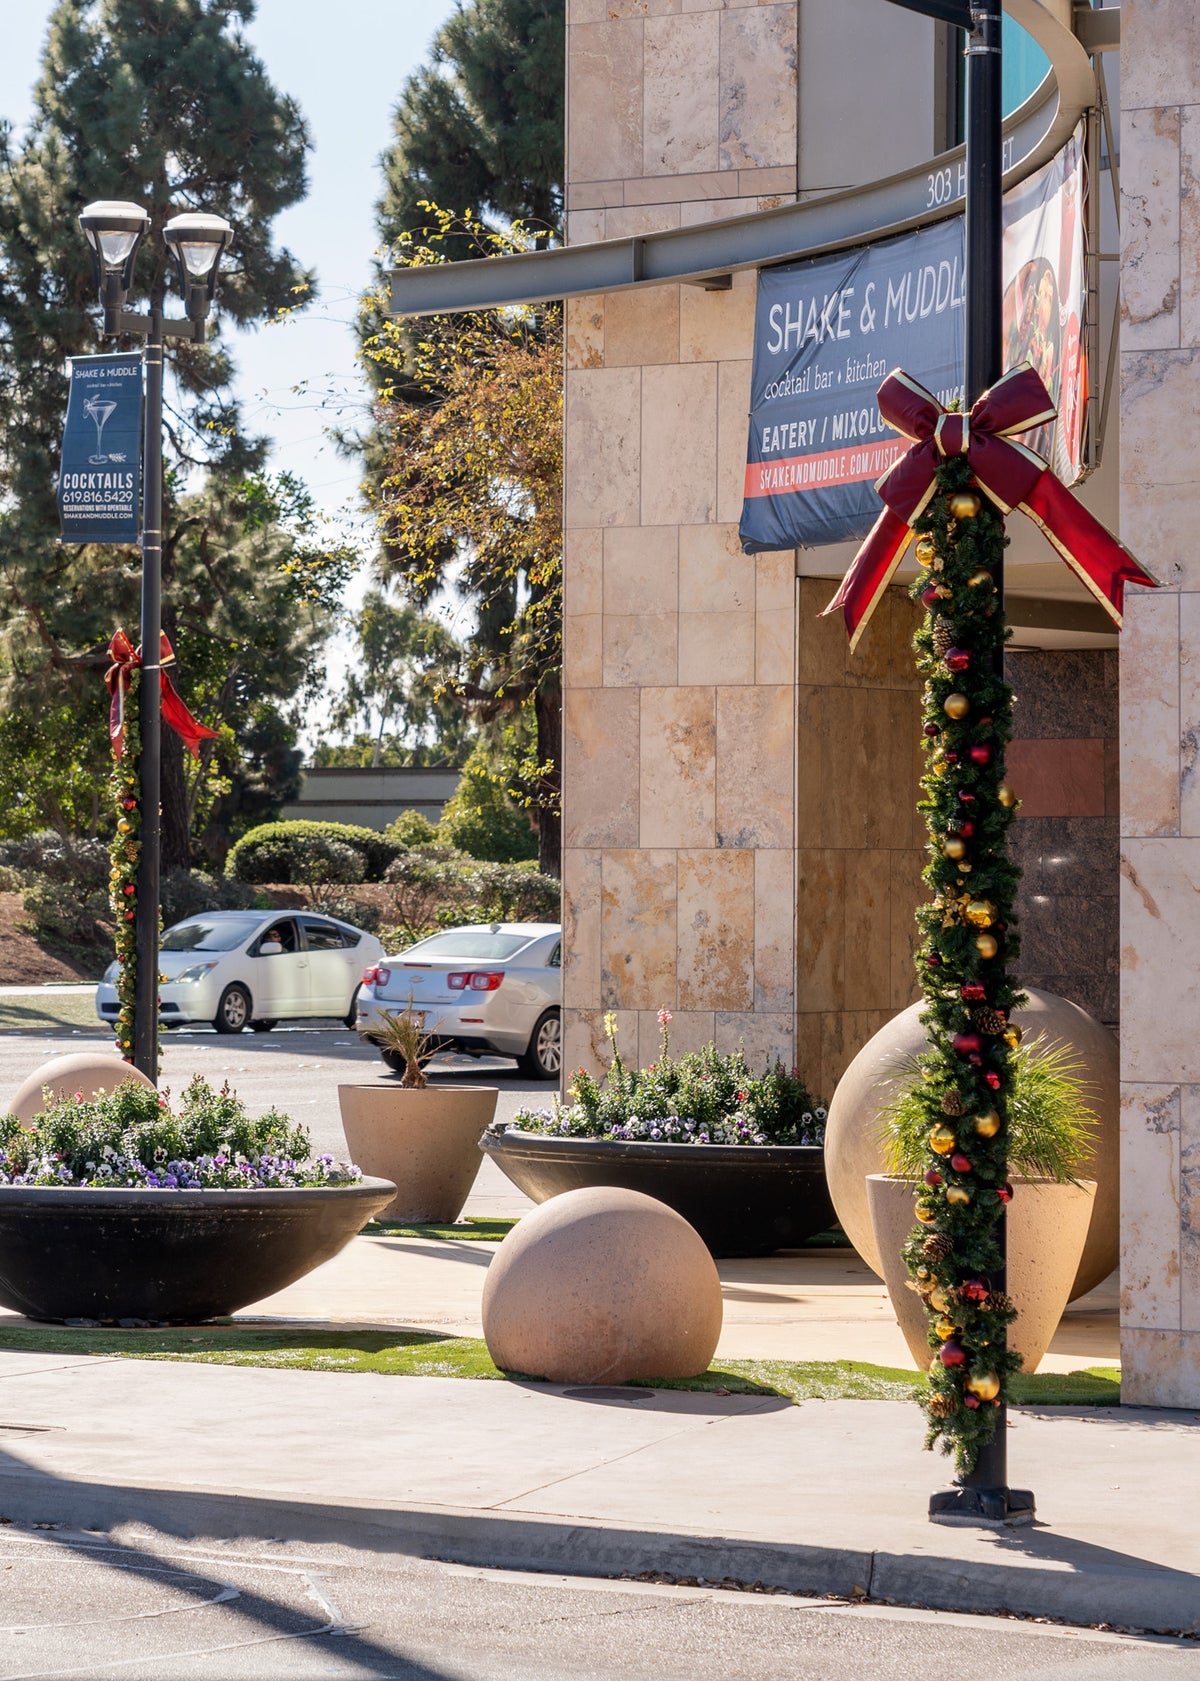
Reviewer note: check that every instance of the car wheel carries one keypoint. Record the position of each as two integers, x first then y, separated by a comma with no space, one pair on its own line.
263,1026
350,1019
394,1061
233,1012
543,1059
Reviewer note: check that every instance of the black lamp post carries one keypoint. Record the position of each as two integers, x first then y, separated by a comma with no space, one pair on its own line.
114,231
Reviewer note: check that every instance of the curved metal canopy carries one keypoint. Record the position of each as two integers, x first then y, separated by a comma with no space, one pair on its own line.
709,253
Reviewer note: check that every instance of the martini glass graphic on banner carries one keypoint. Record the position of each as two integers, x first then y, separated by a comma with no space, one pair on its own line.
99,410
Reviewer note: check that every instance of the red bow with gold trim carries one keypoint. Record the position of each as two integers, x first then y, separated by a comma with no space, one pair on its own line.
126,660
1009,473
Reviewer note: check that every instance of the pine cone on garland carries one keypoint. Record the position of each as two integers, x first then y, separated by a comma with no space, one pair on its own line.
943,639
988,1021
937,1248
998,1302
952,1104
942,1406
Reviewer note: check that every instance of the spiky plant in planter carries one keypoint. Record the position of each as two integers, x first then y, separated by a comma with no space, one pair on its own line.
402,1036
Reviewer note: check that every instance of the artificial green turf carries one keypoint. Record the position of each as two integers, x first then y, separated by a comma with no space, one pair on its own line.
395,1353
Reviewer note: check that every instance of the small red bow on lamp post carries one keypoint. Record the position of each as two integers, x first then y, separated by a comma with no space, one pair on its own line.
1008,473
126,660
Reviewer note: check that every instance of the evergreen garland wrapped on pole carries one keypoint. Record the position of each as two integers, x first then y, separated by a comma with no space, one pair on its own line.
969,941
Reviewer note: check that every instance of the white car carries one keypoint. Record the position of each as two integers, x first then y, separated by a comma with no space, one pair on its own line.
488,988
240,969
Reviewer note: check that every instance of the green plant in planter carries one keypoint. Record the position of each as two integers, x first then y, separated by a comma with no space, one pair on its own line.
705,1097
404,1036
131,1139
1050,1121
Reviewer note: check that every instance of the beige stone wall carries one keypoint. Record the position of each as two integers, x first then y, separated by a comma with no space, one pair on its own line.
1160,704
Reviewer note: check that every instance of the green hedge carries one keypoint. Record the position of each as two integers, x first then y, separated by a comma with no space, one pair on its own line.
434,889
300,853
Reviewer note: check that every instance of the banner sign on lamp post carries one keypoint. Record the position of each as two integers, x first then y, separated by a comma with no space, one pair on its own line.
99,481
828,330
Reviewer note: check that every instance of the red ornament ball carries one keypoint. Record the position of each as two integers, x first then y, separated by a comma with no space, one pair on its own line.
993,1079
929,596
1005,1193
129,916
933,1177
959,1162
974,992
966,828
932,959
967,799
953,1353
129,804
957,659
973,1289
975,1059
967,1044
930,730
130,889
971,1401
981,755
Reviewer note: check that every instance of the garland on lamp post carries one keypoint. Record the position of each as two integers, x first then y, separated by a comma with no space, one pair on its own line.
124,852
969,942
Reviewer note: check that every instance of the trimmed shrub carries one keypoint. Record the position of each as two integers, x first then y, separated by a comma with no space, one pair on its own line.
184,893
480,820
434,889
411,829
47,855
286,854
509,893
68,914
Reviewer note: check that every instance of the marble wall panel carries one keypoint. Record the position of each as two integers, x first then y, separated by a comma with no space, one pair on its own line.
1160,980
1160,53
688,1030
583,571
642,327
584,331
679,444
717,326
602,447
758,76
717,647
715,911
762,1038
868,930
1189,1208
586,1044
633,220
581,934
755,766
714,575
682,69
641,569
605,99
1189,224
733,410
1065,692
1058,777
1159,1368
1189,714
906,891
1160,469
600,781
678,759
774,930
820,928
640,647
639,932
1150,278
1150,1122
1150,723
775,619
583,648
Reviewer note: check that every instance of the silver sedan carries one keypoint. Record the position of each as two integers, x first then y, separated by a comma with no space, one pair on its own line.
240,969
488,988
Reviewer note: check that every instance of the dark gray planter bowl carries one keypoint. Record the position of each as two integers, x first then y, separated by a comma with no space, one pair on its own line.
168,1256
743,1199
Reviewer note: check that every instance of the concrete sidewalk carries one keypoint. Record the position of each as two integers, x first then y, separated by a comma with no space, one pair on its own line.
827,1497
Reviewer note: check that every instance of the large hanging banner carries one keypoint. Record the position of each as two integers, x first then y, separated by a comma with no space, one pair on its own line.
829,329
99,480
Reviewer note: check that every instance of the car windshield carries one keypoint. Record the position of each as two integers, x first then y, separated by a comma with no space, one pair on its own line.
203,935
475,943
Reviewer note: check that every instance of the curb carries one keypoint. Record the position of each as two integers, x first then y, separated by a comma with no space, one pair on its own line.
1153,1599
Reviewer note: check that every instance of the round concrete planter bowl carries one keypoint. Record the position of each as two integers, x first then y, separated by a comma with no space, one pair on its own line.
1047,1229
86,1071
601,1286
426,1142
174,1257
743,1199
853,1147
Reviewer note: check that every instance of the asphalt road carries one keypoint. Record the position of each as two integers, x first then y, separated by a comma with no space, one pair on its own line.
296,1069
148,1605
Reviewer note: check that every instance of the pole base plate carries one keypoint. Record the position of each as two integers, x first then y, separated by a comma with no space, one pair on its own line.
988,1508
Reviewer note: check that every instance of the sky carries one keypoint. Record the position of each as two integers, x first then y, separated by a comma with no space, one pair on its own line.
344,65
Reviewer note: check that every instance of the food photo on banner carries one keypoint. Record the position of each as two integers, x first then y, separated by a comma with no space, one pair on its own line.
99,481
829,330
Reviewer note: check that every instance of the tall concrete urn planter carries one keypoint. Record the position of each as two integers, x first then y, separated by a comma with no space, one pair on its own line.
1047,1230
428,1138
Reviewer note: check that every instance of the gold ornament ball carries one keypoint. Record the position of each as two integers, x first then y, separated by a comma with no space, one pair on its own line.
965,504
945,1328
925,551
987,945
942,1140
926,1213
988,1124
978,579
953,847
924,1274
956,706
1012,1036
1005,795
957,1196
986,1387
980,913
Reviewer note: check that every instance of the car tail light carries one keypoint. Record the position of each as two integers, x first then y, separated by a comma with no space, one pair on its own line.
476,980
376,976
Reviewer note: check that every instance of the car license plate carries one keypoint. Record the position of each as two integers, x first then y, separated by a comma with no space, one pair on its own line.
418,1016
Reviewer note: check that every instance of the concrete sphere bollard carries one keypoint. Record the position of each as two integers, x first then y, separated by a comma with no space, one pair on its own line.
853,1148
85,1071
599,1286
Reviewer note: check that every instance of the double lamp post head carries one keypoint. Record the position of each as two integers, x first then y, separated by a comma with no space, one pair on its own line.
114,230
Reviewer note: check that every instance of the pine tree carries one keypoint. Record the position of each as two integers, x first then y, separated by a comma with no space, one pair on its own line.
161,102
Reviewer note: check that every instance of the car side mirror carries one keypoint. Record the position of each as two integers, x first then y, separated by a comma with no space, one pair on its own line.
270,948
